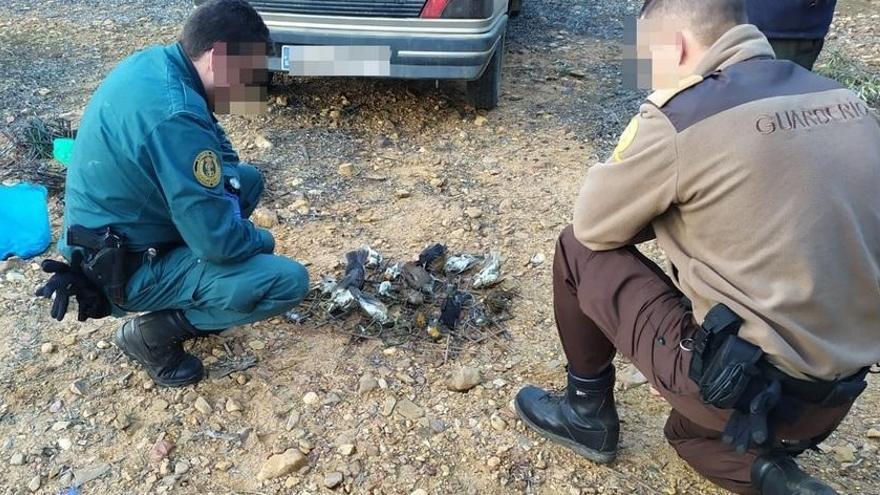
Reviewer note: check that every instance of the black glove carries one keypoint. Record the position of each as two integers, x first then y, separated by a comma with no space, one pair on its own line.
69,280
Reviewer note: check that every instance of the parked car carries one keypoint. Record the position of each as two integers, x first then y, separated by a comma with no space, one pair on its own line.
407,39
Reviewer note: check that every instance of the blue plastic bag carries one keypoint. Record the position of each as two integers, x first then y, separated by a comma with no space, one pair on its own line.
24,221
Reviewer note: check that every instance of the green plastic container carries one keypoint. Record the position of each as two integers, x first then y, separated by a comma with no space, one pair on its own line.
62,148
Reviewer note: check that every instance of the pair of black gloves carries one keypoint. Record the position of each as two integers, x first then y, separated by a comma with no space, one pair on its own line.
68,280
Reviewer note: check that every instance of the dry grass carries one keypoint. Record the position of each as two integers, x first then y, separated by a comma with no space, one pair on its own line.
27,154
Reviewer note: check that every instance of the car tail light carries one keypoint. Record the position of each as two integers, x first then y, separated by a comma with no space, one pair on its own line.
433,9
457,9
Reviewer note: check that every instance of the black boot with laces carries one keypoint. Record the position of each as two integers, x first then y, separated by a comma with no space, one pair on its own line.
583,417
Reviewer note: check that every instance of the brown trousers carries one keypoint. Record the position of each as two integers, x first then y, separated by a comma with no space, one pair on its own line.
620,301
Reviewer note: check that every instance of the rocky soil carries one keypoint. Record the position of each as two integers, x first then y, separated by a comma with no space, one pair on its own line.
395,165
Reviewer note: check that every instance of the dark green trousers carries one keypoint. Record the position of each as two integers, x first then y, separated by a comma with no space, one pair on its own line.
803,52
215,297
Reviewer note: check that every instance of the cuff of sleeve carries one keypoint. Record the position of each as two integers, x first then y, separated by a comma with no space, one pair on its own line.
267,241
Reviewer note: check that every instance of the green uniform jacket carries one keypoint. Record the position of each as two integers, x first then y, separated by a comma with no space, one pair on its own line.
150,161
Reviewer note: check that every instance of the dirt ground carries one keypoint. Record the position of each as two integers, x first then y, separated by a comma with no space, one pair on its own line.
428,168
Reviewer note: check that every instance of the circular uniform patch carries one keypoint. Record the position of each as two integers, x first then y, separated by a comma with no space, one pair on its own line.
626,139
206,168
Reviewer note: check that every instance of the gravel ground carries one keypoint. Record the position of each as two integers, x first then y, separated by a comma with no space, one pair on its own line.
351,413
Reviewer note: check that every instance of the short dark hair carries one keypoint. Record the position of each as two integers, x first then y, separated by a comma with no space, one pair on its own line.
226,21
708,19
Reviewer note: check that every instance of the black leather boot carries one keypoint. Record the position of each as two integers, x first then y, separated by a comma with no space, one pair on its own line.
583,418
778,474
155,340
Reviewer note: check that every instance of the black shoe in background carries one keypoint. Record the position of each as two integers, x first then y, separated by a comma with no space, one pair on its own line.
583,417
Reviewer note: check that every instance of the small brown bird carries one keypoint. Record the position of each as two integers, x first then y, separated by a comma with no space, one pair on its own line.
415,298
417,277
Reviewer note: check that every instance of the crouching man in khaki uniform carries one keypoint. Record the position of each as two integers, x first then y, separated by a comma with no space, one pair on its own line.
760,180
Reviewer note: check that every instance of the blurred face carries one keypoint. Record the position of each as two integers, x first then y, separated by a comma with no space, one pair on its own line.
240,78
658,53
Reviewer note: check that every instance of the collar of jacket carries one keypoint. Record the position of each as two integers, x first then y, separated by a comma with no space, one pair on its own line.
740,43
178,54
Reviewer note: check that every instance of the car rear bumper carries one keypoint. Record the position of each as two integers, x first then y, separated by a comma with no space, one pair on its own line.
420,48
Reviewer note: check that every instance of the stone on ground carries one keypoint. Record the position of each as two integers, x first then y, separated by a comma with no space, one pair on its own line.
333,480
464,379
282,464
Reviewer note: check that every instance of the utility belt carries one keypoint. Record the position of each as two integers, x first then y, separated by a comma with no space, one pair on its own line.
107,261
735,374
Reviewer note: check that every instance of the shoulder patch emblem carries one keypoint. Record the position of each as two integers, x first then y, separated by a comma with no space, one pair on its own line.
626,139
206,168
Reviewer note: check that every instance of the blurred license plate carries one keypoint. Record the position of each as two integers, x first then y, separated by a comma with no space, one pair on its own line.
331,60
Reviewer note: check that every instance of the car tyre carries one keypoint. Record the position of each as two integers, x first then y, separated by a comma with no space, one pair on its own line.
486,90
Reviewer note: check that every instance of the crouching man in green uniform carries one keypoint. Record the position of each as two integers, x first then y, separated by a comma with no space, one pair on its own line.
153,171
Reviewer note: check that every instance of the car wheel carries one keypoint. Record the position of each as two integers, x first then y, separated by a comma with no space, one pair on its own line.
486,90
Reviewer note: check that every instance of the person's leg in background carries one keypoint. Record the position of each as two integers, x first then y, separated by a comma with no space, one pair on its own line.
188,298
252,187
803,52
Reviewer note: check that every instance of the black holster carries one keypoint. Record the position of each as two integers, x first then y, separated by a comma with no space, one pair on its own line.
722,362
105,262
734,374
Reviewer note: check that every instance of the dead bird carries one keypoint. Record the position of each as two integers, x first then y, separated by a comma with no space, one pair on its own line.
326,285
385,289
341,300
498,301
371,306
392,272
355,273
296,317
417,277
491,273
450,311
420,320
433,257
415,298
433,329
374,259
341,297
477,316
460,263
